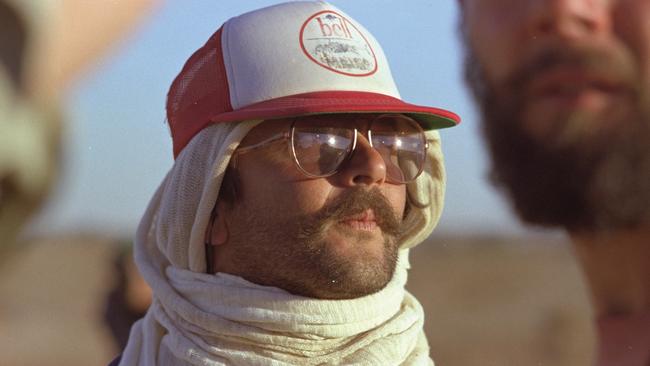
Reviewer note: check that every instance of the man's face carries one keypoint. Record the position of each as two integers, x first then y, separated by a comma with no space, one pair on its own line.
564,88
333,237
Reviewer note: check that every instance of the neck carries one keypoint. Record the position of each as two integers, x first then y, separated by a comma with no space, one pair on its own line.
617,267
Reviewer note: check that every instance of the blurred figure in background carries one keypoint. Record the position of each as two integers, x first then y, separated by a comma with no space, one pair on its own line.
44,45
564,91
129,298
29,133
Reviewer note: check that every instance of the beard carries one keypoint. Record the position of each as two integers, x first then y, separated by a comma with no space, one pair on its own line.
584,172
292,252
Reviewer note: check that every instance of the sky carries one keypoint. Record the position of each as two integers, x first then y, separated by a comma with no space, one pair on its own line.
117,146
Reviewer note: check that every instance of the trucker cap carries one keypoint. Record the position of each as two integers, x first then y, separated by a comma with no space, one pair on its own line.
288,60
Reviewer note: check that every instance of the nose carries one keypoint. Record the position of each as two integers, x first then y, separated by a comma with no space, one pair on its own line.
569,19
365,166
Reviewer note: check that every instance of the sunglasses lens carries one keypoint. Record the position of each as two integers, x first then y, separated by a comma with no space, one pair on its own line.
320,145
320,150
402,144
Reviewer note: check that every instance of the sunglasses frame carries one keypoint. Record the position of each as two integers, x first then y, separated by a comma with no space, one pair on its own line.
289,135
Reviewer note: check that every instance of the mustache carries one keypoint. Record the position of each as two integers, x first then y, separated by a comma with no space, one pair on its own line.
614,64
354,202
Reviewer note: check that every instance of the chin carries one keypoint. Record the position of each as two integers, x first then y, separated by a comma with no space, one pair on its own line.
362,244
354,285
353,266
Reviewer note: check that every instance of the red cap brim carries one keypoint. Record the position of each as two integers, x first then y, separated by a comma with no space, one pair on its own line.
340,102
328,102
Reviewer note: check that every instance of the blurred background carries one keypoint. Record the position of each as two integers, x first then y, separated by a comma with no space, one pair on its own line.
495,292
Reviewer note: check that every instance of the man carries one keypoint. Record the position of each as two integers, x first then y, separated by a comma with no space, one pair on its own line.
564,89
280,234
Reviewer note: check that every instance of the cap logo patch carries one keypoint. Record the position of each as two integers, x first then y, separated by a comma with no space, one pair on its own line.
333,42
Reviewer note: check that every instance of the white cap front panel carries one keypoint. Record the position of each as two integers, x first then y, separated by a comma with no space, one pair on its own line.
301,47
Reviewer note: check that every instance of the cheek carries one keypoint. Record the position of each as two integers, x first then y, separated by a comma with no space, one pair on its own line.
311,195
281,190
492,32
632,26
396,195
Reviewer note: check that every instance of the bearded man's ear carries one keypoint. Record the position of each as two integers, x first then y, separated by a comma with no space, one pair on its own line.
220,229
216,234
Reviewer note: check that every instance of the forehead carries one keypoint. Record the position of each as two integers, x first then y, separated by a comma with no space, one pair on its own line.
269,127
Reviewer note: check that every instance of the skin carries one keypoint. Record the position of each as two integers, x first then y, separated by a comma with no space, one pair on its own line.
576,107
505,34
256,238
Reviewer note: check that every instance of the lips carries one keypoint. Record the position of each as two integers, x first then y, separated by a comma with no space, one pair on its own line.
565,102
571,83
568,80
365,221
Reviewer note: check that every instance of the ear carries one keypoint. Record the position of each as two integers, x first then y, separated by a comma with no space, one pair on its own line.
219,234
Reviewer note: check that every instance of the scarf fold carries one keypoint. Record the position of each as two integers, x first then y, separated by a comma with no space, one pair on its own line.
241,323
201,319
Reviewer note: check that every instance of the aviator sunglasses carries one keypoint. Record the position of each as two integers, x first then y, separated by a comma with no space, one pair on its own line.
321,144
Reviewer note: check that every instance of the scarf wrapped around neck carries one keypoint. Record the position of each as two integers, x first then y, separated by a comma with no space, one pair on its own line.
202,319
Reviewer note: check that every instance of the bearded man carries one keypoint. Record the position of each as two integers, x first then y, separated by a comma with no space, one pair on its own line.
564,90
280,236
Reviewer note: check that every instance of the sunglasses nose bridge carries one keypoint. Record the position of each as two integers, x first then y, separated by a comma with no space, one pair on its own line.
364,164
364,139
361,138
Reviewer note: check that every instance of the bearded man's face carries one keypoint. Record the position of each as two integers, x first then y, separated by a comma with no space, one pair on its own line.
564,92
334,237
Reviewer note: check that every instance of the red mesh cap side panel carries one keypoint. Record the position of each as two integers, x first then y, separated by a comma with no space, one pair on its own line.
199,92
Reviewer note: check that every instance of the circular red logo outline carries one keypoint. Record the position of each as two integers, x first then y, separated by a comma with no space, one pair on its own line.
302,46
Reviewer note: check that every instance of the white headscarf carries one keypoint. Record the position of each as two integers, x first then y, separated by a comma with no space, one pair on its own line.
203,319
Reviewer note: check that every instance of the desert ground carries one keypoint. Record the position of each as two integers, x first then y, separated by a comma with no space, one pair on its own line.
489,301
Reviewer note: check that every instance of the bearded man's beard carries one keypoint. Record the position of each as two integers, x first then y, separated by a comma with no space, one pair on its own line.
291,252
586,172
